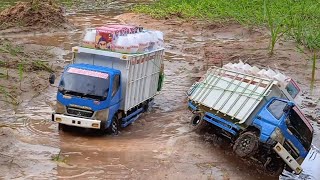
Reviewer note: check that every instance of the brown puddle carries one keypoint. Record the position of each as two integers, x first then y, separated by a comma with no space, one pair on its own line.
159,145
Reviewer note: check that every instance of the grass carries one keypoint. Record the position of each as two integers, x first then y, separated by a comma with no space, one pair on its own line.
299,20
9,98
58,158
21,63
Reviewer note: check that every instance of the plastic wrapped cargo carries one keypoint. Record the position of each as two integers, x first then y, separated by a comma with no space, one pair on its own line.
254,70
89,39
123,39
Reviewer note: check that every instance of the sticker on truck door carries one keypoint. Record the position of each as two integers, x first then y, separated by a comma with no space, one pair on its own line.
88,73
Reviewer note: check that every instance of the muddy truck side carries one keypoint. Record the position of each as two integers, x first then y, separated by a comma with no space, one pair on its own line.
257,114
107,90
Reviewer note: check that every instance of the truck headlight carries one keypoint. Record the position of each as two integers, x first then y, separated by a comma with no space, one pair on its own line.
277,136
60,108
102,115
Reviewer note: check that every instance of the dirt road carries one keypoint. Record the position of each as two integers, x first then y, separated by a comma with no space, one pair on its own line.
160,145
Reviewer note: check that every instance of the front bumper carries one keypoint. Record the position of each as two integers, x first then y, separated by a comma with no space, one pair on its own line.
287,158
76,121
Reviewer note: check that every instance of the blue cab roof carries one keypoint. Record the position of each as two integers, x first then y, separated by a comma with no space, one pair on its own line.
95,68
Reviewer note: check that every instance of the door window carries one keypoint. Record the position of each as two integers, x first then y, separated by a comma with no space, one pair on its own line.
116,85
276,108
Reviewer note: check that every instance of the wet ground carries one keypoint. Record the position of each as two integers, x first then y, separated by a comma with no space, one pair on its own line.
160,145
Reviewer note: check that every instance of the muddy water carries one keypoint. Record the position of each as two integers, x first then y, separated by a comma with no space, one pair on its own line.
159,145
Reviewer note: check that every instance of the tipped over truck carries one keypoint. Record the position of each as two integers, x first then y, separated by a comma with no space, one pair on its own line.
256,112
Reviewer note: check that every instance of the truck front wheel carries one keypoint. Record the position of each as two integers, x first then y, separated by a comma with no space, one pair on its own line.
63,127
114,126
246,144
198,123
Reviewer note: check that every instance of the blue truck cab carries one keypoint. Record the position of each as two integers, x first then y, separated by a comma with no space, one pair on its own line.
258,115
95,91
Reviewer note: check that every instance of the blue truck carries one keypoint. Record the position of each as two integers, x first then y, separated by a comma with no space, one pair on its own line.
257,114
106,90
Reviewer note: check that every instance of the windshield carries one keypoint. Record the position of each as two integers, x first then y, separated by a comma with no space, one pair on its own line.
299,128
292,89
85,83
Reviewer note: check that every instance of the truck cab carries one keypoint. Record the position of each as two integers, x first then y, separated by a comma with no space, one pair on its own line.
285,128
90,94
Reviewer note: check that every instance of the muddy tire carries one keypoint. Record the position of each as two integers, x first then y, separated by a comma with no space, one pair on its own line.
63,127
275,167
146,107
246,144
114,127
198,124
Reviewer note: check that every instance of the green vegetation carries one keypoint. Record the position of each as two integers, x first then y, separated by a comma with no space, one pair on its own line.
299,20
313,74
20,62
9,98
58,158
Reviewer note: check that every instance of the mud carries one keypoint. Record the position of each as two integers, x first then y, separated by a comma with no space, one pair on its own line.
34,15
160,145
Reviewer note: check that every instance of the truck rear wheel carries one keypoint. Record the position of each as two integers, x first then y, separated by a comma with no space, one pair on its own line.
246,144
197,123
114,126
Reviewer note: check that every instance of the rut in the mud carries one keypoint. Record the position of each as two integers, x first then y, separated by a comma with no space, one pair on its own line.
34,14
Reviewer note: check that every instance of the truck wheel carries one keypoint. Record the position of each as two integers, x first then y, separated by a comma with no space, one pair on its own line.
63,127
114,126
246,144
197,123
275,167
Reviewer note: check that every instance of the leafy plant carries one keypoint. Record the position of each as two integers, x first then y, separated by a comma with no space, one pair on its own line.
58,158
276,27
313,74
8,97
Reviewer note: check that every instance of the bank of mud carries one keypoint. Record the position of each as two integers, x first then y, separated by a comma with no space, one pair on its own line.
160,144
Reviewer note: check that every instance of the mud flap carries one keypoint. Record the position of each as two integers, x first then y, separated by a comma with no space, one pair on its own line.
310,167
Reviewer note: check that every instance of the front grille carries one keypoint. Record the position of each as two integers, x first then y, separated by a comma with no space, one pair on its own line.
79,112
289,147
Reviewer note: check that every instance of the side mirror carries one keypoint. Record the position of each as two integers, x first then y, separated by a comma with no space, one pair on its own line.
52,79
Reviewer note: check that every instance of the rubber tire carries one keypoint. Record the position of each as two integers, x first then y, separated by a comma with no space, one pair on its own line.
198,124
246,144
63,127
275,167
146,107
114,127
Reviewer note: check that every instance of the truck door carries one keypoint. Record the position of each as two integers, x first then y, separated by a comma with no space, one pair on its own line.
298,133
115,94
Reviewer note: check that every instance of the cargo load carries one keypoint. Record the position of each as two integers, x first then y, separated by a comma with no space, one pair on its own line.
123,39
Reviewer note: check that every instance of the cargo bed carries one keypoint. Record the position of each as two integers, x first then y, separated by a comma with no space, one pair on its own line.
231,93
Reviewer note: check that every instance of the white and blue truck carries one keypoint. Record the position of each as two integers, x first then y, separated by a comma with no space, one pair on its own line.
258,115
106,90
